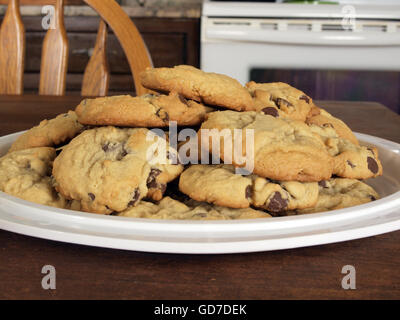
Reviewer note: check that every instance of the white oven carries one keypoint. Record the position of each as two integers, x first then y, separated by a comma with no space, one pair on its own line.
237,37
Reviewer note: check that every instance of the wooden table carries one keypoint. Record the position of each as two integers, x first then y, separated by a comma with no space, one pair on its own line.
85,272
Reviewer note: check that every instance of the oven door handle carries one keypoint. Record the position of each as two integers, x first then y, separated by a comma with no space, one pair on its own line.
321,38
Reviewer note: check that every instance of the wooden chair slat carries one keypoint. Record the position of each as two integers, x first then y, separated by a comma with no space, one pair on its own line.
12,51
128,35
54,63
96,78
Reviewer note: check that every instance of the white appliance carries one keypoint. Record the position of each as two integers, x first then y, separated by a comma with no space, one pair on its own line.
237,37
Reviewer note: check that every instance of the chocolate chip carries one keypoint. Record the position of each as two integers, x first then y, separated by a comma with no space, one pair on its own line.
108,147
281,102
305,98
182,99
351,164
249,192
200,214
271,111
164,117
372,198
151,180
372,165
135,198
114,213
277,203
322,184
122,154
92,196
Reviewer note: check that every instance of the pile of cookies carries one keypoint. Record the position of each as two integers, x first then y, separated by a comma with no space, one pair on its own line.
96,158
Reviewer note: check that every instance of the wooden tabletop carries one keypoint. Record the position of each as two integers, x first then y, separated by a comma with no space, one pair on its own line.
84,272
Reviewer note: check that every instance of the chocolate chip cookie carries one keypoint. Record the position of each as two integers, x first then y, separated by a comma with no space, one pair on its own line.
321,117
210,88
26,174
279,99
150,110
350,160
109,169
220,185
338,193
49,133
284,149
169,208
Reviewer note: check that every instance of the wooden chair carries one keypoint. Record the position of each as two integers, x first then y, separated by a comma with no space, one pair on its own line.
54,59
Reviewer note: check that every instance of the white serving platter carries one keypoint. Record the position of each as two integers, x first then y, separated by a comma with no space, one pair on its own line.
192,237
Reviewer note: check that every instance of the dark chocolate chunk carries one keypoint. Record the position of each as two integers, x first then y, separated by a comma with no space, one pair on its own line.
122,154
305,98
351,164
249,192
372,198
322,184
372,165
281,102
277,203
271,111
92,196
200,214
135,198
151,180
182,99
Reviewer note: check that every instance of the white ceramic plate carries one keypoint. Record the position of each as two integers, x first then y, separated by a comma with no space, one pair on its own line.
174,236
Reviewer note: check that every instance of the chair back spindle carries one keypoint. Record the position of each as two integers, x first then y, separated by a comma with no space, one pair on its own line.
54,60
12,51
54,63
97,75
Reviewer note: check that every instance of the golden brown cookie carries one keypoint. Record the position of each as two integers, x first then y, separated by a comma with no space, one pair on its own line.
169,208
279,99
340,193
220,185
321,117
284,149
210,88
109,169
350,160
26,174
49,133
150,110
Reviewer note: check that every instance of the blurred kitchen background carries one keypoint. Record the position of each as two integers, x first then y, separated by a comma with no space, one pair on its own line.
332,50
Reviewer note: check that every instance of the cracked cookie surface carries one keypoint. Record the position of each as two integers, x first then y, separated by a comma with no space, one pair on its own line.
211,88
220,185
169,208
49,133
284,149
26,174
279,99
150,110
107,169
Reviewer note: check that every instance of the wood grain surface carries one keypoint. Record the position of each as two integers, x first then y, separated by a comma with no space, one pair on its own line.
53,69
96,78
85,272
12,53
